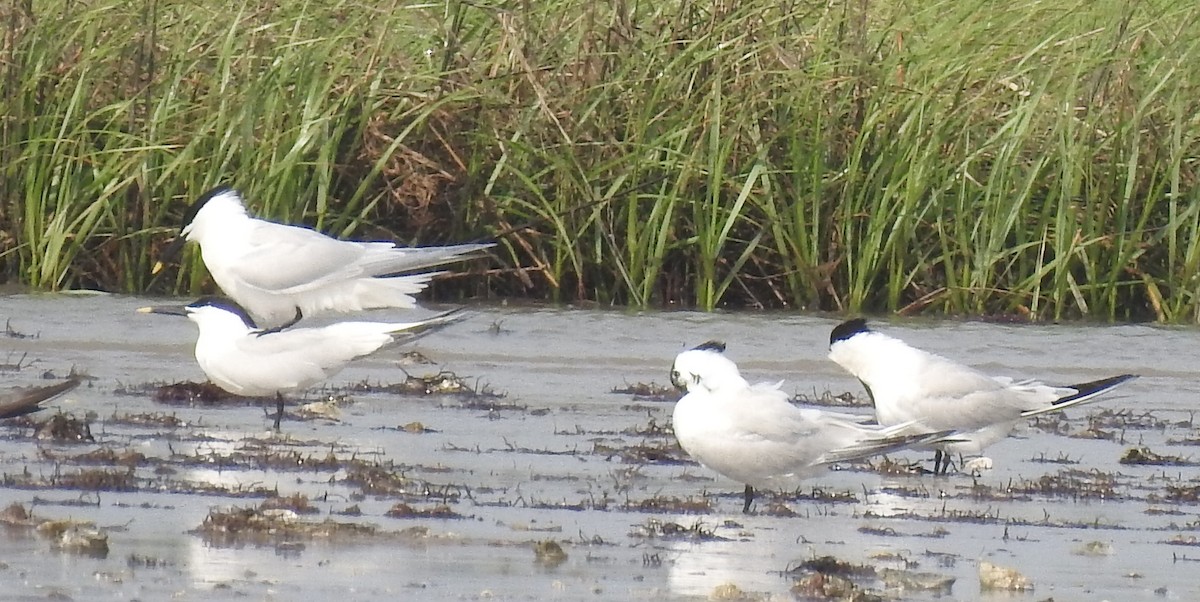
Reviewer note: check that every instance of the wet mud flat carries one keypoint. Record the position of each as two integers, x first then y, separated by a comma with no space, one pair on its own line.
527,454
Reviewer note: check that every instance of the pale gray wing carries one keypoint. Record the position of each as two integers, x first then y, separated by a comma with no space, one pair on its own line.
292,259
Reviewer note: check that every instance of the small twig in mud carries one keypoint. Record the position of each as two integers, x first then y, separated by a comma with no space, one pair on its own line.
13,334
1061,459
9,366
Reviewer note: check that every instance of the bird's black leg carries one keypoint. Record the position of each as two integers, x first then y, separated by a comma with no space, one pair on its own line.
278,409
749,494
938,456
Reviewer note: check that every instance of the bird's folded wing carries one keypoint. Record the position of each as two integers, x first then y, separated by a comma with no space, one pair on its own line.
288,259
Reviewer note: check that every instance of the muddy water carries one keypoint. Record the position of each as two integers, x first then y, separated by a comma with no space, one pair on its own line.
548,454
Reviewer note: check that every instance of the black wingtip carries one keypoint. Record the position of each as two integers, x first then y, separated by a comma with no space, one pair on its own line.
717,346
1089,389
848,329
204,198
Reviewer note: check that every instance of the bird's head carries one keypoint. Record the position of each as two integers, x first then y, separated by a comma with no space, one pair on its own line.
217,202
704,367
850,345
210,310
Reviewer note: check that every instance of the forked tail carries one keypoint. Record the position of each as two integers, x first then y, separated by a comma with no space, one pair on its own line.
1084,392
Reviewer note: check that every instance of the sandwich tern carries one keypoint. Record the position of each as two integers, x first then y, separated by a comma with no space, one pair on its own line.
754,435
244,359
907,384
279,273
19,401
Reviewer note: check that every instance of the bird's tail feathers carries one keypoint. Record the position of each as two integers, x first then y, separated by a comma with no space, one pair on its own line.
886,440
387,262
1084,393
405,332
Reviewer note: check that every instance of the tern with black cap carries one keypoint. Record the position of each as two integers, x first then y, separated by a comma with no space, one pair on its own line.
909,385
244,359
754,435
279,272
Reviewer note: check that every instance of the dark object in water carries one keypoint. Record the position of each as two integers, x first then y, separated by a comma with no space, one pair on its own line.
26,400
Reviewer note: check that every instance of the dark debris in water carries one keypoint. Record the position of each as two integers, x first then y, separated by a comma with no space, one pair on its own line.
672,531
829,399
440,511
147,420
665,504
549,553
885,465
831,565
1182,494
442,383
1125,420
648,391
187,393
64,428
1143,456
1071,483
658,452
937,533
266,525
87,479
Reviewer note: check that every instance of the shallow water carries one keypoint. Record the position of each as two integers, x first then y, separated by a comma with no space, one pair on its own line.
561,457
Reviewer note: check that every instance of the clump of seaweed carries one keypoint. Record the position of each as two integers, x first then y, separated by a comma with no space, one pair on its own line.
1183,494
665,504
232,526
1143,456
549,553
1075,484
189,393
648,391
64,428
828,399
661,452
444,382
1125,420
831,565
440,511
297,503
658,529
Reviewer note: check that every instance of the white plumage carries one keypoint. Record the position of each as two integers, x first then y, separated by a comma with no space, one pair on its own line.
911,385
754,435
273,270
243,359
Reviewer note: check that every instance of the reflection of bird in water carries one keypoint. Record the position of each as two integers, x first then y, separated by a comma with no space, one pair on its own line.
280,273
907,384
19,401
244,359
754,435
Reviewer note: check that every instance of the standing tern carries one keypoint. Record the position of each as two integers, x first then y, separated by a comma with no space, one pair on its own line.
279,273
753,435
908,384
244,359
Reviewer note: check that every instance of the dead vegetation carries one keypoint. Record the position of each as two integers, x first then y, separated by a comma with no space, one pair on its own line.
650,391
672,531
270,524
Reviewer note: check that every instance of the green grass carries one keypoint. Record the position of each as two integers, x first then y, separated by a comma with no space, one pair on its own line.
1034,158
